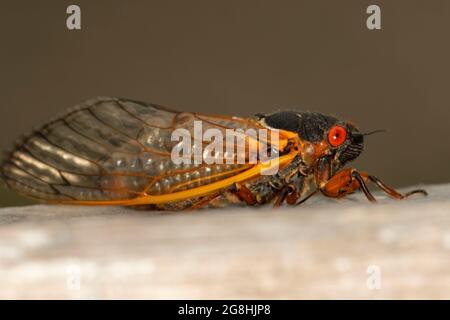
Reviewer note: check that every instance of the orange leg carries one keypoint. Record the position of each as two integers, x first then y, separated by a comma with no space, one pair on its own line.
349,180
244,194
203,202
392,192
345,182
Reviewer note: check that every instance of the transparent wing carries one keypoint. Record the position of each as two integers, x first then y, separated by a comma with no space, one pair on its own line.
113,149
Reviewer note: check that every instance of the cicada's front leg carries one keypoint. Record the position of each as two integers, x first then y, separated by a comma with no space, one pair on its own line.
349,180
345,182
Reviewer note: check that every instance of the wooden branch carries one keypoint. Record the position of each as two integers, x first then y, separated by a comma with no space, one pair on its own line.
323,249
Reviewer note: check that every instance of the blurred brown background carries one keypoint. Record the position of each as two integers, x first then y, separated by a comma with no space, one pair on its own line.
242,57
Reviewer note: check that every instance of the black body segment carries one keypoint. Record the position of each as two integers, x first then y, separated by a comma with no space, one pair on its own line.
310,126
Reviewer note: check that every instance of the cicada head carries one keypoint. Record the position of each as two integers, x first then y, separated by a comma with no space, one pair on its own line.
353,145
344,141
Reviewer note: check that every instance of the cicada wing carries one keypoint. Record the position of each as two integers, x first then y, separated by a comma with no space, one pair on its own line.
113,149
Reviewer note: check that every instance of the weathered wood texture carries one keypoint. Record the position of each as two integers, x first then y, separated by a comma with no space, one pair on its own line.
322,249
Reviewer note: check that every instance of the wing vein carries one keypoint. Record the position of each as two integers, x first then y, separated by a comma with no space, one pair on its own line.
122,107
144,148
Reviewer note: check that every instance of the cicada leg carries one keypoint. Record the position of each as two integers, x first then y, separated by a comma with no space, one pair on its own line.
203,202
394,193
345,182
244,194
281,196
307,197
288,194
349,180
292,191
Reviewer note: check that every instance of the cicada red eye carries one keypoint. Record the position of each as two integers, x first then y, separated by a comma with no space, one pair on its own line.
337,136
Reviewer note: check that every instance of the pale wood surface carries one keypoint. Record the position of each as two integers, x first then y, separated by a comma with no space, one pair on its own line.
319,250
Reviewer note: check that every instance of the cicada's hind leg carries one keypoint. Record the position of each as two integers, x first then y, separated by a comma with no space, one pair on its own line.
203,202
238,194
349,180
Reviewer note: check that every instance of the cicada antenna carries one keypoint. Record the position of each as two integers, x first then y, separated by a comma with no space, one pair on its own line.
374,131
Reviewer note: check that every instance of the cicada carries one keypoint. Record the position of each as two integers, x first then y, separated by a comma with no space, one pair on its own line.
113,151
